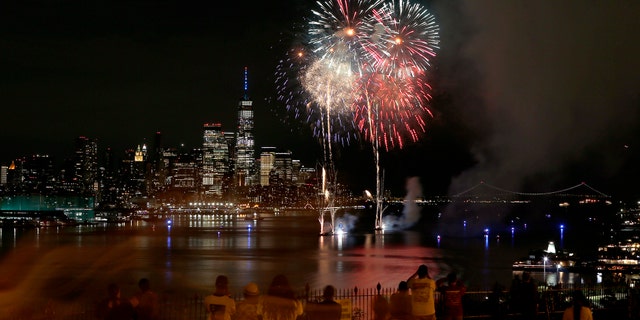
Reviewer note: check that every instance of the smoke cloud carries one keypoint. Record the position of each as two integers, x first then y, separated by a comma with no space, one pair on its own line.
550,90
411,210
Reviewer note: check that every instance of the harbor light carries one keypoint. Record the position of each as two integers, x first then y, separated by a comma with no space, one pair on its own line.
544,268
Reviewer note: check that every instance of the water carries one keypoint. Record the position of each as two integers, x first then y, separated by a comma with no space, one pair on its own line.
185,257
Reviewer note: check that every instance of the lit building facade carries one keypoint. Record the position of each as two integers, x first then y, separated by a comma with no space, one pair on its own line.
282,168
184,171
215,159
267,159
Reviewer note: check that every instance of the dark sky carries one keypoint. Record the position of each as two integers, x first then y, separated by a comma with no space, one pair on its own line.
530,96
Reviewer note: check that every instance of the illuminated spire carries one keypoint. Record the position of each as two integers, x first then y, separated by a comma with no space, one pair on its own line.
246,84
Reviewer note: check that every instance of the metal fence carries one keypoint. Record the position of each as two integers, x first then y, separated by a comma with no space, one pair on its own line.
617,302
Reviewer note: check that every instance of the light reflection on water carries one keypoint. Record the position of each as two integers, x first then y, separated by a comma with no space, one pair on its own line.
187,256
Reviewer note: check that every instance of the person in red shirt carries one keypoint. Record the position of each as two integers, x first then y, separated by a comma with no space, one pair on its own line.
452,293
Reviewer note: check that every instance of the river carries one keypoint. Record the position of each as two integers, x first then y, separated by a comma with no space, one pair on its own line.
185,256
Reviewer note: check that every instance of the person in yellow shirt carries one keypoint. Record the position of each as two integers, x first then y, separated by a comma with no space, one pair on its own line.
422,294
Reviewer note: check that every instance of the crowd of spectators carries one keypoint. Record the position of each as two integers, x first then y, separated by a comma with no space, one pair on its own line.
414,299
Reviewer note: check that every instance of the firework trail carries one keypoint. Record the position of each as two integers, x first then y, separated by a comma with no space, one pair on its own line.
330,86
318,92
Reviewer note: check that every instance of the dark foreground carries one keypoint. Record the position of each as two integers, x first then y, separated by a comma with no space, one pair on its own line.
619,302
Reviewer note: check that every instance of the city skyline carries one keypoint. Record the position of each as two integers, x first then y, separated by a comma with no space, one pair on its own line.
529,97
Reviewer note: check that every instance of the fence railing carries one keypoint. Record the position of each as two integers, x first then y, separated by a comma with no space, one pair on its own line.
618,302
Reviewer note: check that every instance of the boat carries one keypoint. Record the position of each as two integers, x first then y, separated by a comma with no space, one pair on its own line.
156,219
253,216
547,260
111,216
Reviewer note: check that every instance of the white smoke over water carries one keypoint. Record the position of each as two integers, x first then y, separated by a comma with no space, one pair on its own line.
550,90
411,210
346,223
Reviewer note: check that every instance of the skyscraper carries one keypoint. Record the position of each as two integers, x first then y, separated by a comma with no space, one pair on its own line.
215,159
86,163
267,159
245,167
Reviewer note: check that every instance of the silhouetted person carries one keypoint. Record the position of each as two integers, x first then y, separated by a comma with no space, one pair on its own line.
579,309
280,302
514,294
497,302
528,297
145,302
114,307
400,303
327,309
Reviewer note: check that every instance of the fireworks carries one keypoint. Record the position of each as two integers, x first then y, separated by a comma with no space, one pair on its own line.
363,67
392,108
319,92
412,39
394,91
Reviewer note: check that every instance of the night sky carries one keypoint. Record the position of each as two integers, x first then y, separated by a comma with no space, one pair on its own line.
529,96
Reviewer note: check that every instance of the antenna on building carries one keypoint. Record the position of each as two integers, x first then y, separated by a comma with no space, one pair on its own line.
246,84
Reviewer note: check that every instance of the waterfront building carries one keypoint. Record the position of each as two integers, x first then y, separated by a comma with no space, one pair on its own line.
267,160
245,162
33,174
282,168
133,178
36,206
185,171
215,159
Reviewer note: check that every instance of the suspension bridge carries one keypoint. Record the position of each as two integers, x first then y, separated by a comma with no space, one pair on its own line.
486,189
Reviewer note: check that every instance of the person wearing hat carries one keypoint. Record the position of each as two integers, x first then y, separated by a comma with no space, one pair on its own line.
247,309
219,305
